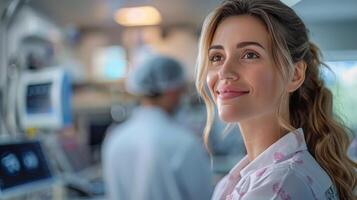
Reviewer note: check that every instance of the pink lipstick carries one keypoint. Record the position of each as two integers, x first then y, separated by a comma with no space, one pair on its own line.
228,92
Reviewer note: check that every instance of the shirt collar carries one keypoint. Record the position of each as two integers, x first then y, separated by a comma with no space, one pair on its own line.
282,149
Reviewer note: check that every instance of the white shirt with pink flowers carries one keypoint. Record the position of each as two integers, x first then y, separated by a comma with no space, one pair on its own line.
284,171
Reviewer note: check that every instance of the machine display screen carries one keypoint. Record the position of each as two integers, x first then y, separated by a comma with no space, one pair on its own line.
38,98
22,163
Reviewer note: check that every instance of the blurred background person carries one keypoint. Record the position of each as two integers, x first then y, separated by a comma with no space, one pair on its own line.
150,156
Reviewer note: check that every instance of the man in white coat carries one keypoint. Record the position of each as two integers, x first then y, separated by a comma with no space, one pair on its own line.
150,156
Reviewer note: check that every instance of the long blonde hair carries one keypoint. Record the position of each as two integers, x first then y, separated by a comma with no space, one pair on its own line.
310,106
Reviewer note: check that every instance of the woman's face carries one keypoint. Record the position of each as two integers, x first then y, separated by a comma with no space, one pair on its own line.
241,75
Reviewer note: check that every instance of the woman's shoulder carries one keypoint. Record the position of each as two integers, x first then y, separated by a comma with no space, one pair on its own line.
299,176
276,183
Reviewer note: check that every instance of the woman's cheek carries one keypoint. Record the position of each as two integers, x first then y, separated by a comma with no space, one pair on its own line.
211,81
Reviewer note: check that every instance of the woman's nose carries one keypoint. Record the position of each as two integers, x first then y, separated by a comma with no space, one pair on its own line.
228,72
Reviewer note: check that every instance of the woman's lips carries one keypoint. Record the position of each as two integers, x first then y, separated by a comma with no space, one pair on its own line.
230,94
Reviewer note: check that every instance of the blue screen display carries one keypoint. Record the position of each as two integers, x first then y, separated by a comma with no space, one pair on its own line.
22,163
38,98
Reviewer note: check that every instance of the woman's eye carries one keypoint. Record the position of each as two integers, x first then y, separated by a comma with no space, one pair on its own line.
215,58
250,55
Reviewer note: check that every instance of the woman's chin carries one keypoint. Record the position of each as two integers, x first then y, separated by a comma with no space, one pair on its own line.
228,117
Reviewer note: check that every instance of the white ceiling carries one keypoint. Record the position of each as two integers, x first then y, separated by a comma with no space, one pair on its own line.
98,13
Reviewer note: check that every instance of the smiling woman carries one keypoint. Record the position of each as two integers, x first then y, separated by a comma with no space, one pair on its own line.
262,73
241,75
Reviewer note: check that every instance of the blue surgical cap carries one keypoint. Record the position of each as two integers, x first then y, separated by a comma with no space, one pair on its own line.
155,75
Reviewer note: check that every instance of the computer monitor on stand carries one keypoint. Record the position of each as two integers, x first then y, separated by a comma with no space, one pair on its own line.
44,100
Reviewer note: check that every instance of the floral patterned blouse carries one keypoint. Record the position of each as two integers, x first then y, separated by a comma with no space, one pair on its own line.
284,171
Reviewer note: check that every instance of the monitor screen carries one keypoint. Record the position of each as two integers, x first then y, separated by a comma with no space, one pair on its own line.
22,163
38,98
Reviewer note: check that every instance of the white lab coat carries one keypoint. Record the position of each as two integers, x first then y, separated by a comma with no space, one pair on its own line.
285,171
150,157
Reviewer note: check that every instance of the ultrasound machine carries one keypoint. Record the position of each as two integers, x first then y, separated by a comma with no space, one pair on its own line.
43,104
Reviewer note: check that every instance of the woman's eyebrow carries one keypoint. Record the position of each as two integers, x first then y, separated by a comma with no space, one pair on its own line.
215,47
239,45
247,43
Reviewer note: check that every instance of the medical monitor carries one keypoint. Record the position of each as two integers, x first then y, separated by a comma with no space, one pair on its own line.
44,99
23,167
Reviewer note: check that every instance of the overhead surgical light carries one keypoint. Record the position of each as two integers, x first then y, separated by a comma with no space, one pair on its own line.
138,16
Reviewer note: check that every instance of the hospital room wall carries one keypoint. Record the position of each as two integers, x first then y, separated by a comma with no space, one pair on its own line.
337,38
177,41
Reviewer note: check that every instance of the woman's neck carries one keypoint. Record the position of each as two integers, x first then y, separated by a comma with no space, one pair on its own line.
259,134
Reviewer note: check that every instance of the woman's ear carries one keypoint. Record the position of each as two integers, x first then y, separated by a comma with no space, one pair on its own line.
299,76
